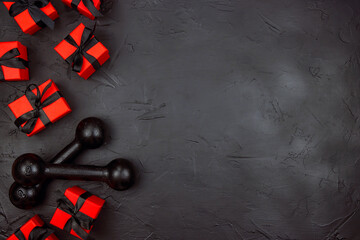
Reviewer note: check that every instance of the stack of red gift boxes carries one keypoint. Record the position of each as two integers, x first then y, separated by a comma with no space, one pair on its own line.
43,104
75,214
81,49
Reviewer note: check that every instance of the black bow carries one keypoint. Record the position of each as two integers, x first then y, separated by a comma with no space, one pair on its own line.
30,118
90,6
39,17
86,43
78,221
9,59
38,233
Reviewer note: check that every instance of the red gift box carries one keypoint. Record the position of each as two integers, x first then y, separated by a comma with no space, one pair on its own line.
13,62
83,51
91,11
34,226
77,212
31,18
39,107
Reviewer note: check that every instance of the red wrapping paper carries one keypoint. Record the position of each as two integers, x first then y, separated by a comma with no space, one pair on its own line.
99,51
54,112
29,226
14,74
83,9
90,208
25,21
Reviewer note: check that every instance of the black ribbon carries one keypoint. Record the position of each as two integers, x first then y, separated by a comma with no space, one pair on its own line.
39,17
90,6
38,233
10,59
30,118
78,221
86,43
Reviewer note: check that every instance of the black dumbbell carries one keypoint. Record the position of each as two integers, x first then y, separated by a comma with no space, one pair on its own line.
90,134
31,170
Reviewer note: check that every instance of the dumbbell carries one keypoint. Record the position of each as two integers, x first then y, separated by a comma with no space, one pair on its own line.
31,170
90,134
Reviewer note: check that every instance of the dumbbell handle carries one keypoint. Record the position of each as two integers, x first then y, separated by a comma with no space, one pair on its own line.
30,170
76,172
69,153
119,174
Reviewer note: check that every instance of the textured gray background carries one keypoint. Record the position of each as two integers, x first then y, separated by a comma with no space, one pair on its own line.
241,116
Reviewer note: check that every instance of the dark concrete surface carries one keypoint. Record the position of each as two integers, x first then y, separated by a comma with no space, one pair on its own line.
241,116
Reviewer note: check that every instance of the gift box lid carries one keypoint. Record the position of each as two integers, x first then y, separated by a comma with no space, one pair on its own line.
49,9
54,111
11,73
26,22
98,51
7,46
92,205
26,229
82,8
65,49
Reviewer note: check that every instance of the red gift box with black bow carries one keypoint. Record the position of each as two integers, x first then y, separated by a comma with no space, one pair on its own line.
83,51
32,230
77,211
13,62
32,15
88,8
39,107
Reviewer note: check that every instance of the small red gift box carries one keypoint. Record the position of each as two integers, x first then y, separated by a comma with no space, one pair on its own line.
13,62
77,212
88,8
32,16
39,107
83,51
35,227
